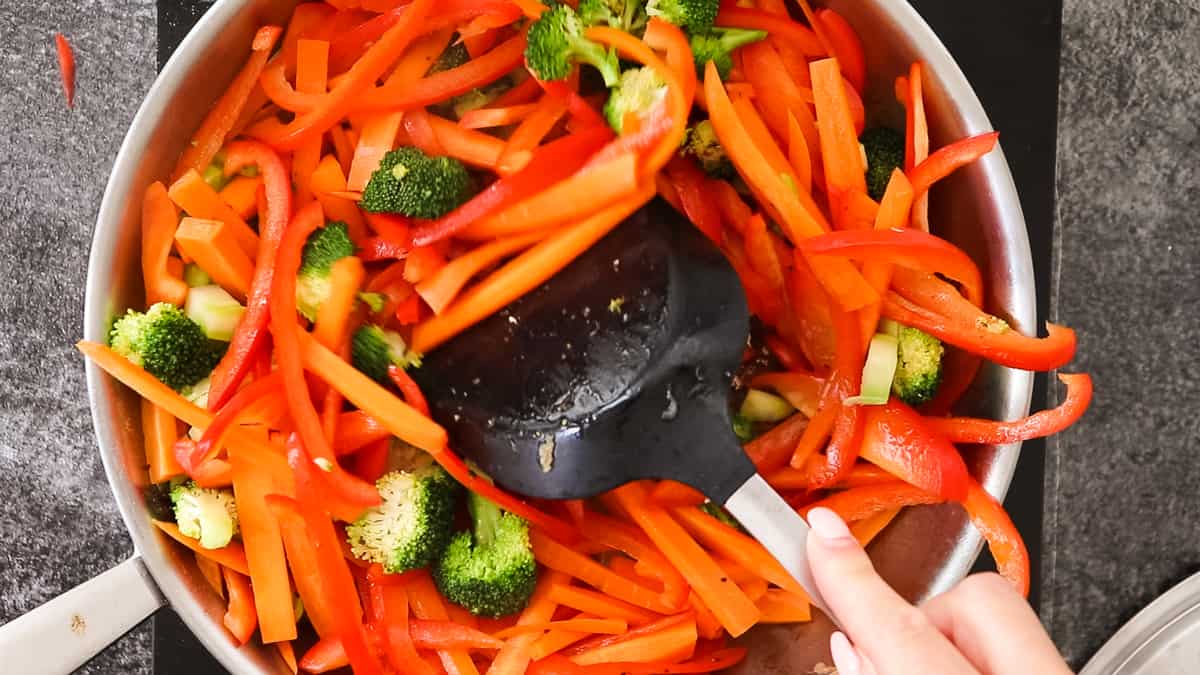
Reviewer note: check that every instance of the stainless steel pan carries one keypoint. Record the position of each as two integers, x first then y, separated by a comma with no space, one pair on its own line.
922,553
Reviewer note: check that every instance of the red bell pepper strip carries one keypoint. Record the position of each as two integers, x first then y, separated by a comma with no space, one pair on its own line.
328,654
987,336
371,462
1037,425
349,494
715,661
472,481
793,32
900,441
909,248
949,159
846,381
240,618
377,248
786,354
228,414
959,369
389,611
773,449
694,194
550,163
863,502
251,333
847,46
66,67
1004,541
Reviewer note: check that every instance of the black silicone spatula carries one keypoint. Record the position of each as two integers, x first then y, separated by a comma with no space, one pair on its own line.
616,369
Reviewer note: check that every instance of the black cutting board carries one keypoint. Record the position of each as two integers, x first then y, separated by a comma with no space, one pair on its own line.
1009,51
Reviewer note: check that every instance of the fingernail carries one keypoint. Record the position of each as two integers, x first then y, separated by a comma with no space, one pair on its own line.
845,656
829,526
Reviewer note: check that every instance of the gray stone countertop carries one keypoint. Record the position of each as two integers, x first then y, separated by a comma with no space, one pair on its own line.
1121,505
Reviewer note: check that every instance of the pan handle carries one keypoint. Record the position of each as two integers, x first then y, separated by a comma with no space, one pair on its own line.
66,631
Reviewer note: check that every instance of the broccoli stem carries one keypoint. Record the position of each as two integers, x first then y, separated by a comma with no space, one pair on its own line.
485,517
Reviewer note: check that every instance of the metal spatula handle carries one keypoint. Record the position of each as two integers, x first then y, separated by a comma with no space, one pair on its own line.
779,528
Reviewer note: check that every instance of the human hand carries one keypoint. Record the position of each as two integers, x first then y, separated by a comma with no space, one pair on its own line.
982,626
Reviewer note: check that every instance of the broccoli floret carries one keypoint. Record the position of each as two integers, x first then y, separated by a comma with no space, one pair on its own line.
556,43
207,514
918,366
717,45
694,15
637,92
168,344
324,247
701,142
373,349
627,15
743,428
412,183
884,148
491,571
413,524
452,57
717,511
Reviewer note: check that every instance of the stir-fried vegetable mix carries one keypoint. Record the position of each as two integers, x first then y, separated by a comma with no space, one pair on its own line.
383,174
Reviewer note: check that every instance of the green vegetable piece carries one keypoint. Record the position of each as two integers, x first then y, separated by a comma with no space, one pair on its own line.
556,43
884,148
215,177
452,57
918,366
168,344
717,45
324,247
373,349
490,571
414,522
743,428
637,92
217,312
696,16
194,275
374,301
759,406
207,514
410,182
878,371
717,511
627,15
701,142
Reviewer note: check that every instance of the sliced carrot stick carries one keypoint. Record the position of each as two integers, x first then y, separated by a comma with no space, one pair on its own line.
762,139
343,149
893,214
254,477
598,604
561,558
159,220
556,640
740,548
840,151
199,200
439,289
671,493
219,121
578,196
513,658
673,642
867,529
288,654
333,316
420,133
241,194
524,273
488,118
722,596
328,176
232,555
211,571
754,588
531,131
780,606
798,154
400,418
427,604
376,140
916,139
312,70
593,626
159,435
707,624
472,147
214,247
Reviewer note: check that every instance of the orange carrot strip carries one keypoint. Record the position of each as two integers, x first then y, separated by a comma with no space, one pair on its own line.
674,642
780,606
555,641
672,493
159,434
707,624
840,151
312,70
212,244
376,140
472,147
513,658
740,548
159,220
400,418
288,654
343,149
232,555
219,121
241,194
241,617
487,118
561,558
527,136
328,176
868,528
602,626
577,196
598,604
211,571
444,285
616,535
524,273
722,596
917,140
333,316
199,200
427,604
754,588
254,477
420,133
798,155
762,139
893,214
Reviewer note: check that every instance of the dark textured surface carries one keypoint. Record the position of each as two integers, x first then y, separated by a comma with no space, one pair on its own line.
58,523
1122,518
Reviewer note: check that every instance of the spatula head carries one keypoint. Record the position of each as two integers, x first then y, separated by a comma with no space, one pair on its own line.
617,368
